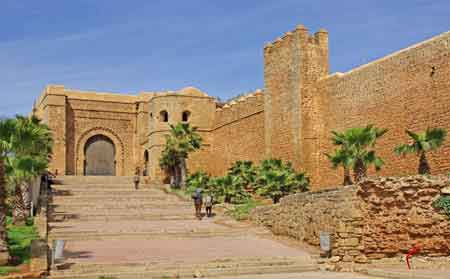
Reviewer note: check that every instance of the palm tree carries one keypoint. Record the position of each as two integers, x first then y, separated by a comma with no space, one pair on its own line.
229,188
359,143
7,127
169,161
276,179
342,157
183,139
20,170
31,148
198,180
423,142
244,170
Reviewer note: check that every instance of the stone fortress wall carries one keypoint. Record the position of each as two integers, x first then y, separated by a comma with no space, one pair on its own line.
290,119
238,132
409,89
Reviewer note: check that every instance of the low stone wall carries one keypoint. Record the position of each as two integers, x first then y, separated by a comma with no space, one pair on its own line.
380,217
399,214
39,247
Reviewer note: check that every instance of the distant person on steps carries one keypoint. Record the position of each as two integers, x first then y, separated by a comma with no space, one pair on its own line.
198,201
208,204
136,178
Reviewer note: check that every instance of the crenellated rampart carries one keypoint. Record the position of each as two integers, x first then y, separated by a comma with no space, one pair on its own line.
238,132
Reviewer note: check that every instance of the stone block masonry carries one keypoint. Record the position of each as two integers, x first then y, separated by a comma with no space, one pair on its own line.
380,217
238,133
291,118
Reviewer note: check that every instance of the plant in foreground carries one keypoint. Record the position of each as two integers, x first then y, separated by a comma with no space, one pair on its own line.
422,143
359,143
276,179
443,203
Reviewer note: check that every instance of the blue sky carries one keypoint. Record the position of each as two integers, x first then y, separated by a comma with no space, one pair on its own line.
215,45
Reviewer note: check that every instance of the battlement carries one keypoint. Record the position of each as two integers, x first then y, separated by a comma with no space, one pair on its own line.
300,35
239,108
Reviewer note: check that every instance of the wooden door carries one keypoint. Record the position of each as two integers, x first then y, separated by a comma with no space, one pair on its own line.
100,156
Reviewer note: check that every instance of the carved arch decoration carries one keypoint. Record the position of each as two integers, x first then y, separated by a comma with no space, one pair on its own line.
118,143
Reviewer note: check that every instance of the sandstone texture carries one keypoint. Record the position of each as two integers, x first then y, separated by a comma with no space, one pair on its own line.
290,119
378,218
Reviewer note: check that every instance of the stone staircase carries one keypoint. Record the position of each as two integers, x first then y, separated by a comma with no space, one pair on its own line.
113,230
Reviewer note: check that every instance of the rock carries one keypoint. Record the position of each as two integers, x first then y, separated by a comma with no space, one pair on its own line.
361,259
334,259
351,242
330,267
446,190
347,258
198,274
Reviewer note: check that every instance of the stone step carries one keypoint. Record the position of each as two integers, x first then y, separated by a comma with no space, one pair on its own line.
107,186
94,192
86,235
130,204
111,198
77,267
134,211
232,267
138,226
80,180
61,217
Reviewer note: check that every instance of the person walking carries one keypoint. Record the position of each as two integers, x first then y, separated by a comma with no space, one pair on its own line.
198,201
208,204
136,178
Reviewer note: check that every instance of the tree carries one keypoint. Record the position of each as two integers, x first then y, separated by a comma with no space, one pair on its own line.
183,139
20,170
197,180
229,189
359,143
31,148
422,143
276,179
244,170
7,127
341,157
170,160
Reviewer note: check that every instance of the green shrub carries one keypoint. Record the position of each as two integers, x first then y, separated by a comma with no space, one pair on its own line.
443,203
197,180
245,171
5,270
276,179
19,240
229,189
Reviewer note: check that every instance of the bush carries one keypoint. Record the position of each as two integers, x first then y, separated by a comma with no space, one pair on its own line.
197,180
276,179
5,270
229,189
245,171
19,240
443,203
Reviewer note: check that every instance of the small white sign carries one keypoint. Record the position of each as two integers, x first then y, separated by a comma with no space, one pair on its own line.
325,241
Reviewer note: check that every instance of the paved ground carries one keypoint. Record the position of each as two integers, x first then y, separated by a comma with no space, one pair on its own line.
402,272
305,275
176,250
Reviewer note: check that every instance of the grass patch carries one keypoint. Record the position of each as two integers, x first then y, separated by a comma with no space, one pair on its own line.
242,211
443,203
5,270
19,240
